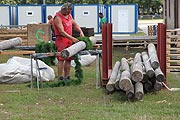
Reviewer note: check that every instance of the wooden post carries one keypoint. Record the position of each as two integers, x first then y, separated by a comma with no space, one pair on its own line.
145,76
117,80
148,86
104,56
124,65
148,67
139,93
157,86
136,68
130,93
125,80
153,56
111,83
159,75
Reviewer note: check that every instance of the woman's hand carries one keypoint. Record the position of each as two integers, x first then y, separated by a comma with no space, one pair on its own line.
75,40
81,34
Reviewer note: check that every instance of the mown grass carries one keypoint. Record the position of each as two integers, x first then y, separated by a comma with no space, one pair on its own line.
85,102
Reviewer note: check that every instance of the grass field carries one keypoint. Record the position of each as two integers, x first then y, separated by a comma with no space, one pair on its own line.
85,102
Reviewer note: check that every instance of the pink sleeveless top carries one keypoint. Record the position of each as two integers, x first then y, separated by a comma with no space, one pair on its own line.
61,41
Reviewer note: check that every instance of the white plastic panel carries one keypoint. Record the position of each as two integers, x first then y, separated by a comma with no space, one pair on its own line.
86,16
51,10
124,18
5,15
29,15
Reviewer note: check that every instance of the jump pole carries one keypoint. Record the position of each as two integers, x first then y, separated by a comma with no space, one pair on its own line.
161,47
106,52
109,46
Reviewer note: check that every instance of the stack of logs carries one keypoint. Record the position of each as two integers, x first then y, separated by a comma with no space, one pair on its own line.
138,76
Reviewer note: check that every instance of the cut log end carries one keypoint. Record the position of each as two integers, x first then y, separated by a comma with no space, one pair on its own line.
160,78
110,88
148,86
117,85
137,76
65,54
158,86
125,84
139,95
155,65
130,96
93,39
145,78
151,73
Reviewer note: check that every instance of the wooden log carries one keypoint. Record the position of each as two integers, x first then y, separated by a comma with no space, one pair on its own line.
131,62
159,75
16,52
157,86
130,94
6,44
148,86
117,80
124,65
148,68
125,82
110,86
153,56
75,48
72,50
153,80
139,93
136,68
145,76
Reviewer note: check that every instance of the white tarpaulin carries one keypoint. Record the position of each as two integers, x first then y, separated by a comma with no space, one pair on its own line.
18,70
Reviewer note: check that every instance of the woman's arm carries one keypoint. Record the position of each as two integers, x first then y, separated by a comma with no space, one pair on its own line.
77,28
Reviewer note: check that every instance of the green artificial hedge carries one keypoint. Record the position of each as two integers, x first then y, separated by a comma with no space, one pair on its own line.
44,47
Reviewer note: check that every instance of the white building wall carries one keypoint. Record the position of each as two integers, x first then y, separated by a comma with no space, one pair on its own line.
29,15
124,18
51,10
5,15
86,16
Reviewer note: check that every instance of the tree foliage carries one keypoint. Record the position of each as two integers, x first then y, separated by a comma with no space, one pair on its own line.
145,6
